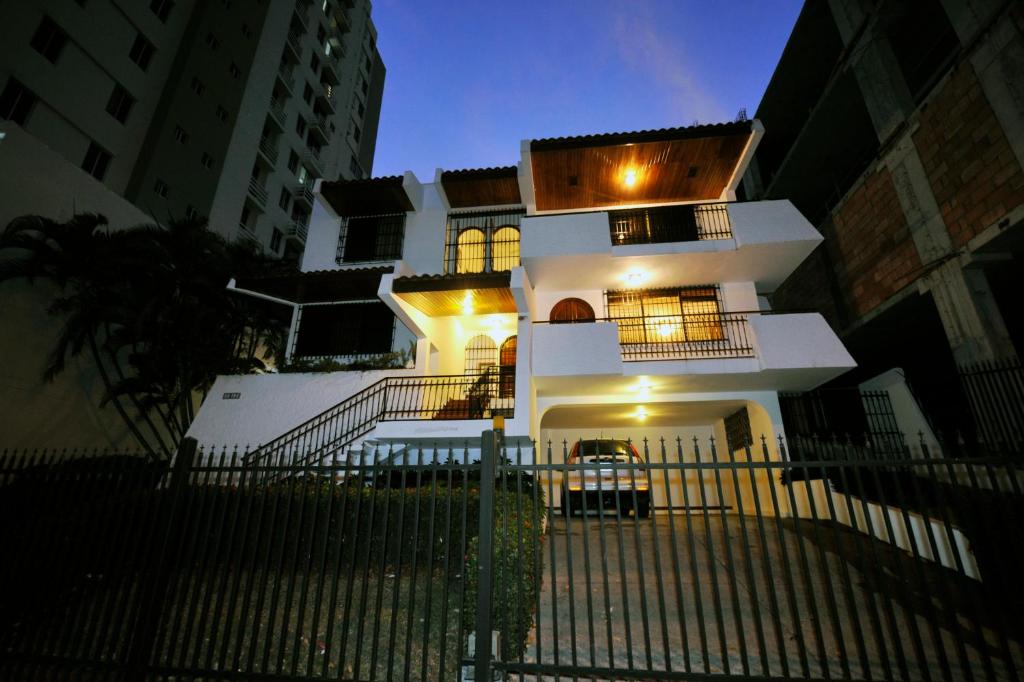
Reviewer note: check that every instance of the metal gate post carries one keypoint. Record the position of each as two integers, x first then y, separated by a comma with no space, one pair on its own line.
485,566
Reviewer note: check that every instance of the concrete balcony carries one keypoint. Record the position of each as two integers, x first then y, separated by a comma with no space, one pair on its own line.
278,115
764,242
268,151
258,192
303,192
766,352
296,231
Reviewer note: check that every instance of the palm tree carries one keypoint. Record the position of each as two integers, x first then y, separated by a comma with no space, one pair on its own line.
150,305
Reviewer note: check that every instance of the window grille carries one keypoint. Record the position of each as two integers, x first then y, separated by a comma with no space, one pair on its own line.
371,238
482,241
481,355
677,315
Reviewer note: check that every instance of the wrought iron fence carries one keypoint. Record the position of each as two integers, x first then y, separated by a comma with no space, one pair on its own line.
670,224
380,564
995,391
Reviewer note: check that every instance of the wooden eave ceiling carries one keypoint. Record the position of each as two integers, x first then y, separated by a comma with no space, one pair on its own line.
481,187
321,286
444,295
372,196
672,165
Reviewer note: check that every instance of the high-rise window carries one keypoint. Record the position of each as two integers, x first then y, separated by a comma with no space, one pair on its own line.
285,200
222,114
300,126
180,136
162,8
275,240
293,161
160,188
120,103
207,161
16,101
96,161
234,70
141,52
49,39
198,86
212,42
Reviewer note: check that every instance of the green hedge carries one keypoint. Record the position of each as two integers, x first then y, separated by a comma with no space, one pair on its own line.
518,568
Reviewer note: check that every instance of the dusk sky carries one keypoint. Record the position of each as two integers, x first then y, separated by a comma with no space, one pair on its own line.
467,81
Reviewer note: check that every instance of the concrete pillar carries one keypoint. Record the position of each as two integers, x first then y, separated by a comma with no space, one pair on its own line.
998,62
881,83
974,326
929,232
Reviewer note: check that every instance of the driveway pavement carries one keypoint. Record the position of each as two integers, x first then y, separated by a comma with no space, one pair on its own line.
753,596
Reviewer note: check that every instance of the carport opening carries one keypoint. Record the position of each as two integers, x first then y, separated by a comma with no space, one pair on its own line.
673,436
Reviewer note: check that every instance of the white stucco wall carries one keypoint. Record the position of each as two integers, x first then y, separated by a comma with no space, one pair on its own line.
798,341
271,404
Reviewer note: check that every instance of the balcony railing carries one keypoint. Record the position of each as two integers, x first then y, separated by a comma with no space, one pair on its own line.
297,231
319,127
294,41
277,113
679,337
669,224
676,337
304,192
268,150
258,191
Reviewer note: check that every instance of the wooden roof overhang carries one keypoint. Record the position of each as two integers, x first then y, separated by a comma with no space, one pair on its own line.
372,196
465,294
694,163
321,286
481,187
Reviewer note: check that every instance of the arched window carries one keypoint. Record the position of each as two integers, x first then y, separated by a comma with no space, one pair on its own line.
471,247
507,368
481,355
571,310
504,248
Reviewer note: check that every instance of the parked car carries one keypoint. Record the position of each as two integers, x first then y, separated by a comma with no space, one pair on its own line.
621,485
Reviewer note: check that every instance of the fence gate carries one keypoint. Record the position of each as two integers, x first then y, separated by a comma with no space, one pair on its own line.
845,565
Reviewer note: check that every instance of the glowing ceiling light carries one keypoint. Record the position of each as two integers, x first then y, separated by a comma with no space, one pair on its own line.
630,178
665,329
467,304
641,413
635,278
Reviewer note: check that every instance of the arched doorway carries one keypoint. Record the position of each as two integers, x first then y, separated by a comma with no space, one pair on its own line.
571,310
507,368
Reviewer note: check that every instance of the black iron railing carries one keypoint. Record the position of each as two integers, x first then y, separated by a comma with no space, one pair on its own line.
689,337
669,224
711,335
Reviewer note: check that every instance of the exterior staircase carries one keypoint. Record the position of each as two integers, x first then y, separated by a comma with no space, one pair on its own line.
320,438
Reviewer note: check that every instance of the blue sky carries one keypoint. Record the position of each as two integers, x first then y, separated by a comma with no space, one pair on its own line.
467,81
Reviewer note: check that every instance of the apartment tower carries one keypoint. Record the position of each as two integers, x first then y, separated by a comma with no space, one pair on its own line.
225,108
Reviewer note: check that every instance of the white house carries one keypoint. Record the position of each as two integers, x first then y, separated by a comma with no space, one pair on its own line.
606,284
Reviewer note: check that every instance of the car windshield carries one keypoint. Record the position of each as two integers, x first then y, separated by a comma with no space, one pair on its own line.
590,448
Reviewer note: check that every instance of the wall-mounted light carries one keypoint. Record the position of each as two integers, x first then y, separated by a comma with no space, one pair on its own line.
629,179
